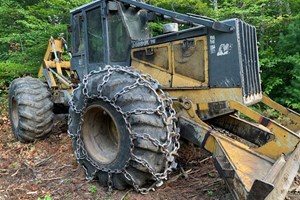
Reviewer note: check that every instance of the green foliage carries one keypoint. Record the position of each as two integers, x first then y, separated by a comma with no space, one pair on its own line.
184,6
210,193
212,174
93,189
281,64
47,197
26,27
10,71
156,28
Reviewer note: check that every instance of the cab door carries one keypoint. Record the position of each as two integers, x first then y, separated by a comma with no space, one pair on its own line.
88,44
78,62
95,42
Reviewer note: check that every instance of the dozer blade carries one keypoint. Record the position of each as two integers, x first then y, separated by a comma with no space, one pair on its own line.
256,163
253,176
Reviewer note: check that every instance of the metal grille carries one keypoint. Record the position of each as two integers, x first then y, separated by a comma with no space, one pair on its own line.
250,62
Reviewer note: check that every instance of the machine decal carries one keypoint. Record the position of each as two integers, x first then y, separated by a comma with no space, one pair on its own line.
142,43
212,41
224,49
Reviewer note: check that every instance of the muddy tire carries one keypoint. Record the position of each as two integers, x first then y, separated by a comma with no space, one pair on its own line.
123,131
30,109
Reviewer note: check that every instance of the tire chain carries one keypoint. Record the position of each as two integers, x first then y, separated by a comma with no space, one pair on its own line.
164,109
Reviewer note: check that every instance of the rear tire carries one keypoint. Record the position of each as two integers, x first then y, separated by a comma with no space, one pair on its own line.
30,109
122,129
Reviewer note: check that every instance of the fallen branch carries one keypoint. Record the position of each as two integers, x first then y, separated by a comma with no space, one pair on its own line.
205,159
185,173
60,168
29,193
197,182
173,179
7,189
51,179
38,164
22,189
16,172
210,184
124,196
196,171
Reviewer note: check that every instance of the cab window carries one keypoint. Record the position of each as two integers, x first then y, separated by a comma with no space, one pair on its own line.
94,33
78,34
119,40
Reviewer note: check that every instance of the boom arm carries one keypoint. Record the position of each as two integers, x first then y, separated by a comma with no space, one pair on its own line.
215,25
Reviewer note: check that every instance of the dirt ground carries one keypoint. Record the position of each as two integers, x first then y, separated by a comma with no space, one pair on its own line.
47,170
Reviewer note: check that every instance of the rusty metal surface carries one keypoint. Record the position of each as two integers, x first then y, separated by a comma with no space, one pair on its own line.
260,190
192,131
246,130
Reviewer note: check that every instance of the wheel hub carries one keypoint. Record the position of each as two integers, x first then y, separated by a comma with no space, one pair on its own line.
100,134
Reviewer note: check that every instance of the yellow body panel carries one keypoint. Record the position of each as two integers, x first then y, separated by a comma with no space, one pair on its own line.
182,81
172,66
188,63
162,76
205,96
155,61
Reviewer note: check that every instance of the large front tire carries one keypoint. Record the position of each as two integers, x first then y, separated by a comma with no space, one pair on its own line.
123,129
30,109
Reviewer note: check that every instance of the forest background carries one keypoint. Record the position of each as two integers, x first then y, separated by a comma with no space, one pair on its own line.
26,26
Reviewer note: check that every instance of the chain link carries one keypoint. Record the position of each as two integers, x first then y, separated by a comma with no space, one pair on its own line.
109,182
168,148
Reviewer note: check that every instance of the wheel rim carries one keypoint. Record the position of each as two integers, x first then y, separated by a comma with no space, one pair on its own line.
100,134
15,113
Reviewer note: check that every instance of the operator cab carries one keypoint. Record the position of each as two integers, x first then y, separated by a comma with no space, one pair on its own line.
102,32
